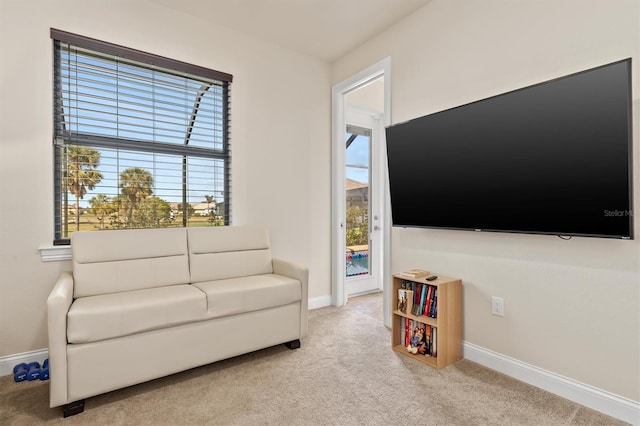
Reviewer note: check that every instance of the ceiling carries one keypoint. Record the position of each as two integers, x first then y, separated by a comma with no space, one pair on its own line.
324,29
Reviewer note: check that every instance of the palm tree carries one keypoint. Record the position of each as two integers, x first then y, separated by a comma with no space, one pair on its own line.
135,184
101,207
209,199
213,214
82,173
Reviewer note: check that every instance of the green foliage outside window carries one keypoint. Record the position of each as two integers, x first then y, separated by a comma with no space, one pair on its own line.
357,226
134,207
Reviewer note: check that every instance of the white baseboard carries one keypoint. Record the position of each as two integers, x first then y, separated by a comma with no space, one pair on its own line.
8,362
319,302
589,396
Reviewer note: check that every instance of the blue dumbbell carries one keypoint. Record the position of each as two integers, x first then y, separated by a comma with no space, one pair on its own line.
44,372
20,372
33,371
21,366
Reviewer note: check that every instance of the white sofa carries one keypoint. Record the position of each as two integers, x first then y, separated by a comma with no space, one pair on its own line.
142,304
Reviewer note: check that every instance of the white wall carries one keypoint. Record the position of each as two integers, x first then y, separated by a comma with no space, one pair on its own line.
280,134
572,307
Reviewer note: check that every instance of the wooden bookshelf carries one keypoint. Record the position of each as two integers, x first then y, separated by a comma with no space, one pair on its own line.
448,321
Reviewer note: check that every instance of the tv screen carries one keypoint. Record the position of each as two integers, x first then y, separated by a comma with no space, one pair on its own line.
552,158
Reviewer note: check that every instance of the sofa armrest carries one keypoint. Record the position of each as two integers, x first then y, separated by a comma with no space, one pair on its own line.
300,273
58,304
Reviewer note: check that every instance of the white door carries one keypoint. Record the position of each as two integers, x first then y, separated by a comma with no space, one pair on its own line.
369,91
362,202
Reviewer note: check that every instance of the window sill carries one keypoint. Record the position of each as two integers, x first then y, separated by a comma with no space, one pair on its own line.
55,253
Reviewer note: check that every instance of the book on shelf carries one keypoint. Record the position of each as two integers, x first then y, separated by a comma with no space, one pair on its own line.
427,351
407,331
419,338
431,339
433,309
423,292
427,309
417,293
415,273
405,300
416,301
434,339
422,299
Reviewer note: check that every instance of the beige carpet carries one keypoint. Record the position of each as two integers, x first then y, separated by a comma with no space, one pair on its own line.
344,374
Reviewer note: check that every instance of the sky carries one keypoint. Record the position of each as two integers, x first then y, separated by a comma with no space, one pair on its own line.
357,159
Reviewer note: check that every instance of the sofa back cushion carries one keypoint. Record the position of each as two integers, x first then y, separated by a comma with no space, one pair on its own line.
223,252
133,259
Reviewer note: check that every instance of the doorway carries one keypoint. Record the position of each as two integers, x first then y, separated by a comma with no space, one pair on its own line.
362,193
361,212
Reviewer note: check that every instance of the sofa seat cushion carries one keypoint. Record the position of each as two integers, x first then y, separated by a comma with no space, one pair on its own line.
245,294
106,316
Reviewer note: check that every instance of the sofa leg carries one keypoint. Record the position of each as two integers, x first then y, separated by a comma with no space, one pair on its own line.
73,408
294,344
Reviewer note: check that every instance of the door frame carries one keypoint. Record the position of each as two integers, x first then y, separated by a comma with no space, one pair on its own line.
338,120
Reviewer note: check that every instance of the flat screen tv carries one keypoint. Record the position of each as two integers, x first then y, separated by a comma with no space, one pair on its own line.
552,158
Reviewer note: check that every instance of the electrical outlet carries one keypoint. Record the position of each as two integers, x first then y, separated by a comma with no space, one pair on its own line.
497,306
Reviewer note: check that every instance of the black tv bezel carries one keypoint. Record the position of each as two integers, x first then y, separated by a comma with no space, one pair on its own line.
630,214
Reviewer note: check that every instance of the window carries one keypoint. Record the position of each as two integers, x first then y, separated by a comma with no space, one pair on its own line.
140,141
